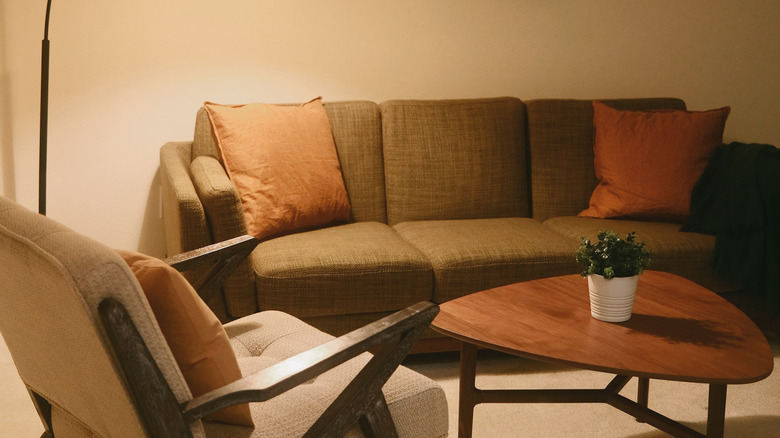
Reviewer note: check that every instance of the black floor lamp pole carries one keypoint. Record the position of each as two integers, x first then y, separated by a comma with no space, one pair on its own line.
44,115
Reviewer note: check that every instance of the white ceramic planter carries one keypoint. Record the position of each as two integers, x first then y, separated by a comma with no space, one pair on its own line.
612,300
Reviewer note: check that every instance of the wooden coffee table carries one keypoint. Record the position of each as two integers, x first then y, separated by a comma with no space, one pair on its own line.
678,331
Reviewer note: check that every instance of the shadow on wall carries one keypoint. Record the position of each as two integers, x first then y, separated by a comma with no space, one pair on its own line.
152,238
8,181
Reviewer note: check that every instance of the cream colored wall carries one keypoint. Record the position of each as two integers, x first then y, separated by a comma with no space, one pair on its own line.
128,76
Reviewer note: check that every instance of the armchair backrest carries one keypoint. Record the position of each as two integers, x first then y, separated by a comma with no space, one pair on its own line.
52,280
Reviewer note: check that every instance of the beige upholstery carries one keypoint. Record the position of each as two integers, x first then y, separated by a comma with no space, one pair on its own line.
51,282
408,394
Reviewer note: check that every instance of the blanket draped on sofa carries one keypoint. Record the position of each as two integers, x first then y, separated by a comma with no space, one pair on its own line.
737,199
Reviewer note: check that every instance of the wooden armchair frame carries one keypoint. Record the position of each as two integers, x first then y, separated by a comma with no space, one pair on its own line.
361,402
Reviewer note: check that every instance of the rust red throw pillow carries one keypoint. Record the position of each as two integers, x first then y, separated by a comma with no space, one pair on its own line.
647,162
195,336
283,162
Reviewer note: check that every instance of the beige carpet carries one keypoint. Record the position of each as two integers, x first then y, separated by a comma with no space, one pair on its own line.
752,410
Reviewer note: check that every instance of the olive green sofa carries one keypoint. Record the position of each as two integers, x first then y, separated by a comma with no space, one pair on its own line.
448,197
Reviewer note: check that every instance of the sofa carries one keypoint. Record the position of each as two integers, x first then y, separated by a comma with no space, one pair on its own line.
447,197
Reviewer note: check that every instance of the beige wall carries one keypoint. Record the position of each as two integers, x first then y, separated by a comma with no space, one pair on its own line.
127,76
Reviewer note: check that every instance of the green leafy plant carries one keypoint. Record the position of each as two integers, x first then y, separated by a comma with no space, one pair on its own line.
612,256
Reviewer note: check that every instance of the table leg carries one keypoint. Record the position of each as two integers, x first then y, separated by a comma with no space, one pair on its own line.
643,391
716,416
468,397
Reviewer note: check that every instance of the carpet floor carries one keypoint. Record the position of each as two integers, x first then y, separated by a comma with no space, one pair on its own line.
752,410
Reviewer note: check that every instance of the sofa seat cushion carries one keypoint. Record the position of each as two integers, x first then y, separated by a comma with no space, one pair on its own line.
477,254
352,268
688,255
266,338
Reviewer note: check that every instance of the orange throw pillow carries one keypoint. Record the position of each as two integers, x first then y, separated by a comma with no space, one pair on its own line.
194,334
283,162
647,162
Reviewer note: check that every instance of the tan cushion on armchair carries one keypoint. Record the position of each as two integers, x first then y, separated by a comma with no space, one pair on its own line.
194,334
266,338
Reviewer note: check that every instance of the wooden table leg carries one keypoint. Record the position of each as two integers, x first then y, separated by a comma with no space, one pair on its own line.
716,416
469,395
643,391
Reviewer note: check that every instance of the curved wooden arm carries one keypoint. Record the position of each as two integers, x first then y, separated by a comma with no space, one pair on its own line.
223,258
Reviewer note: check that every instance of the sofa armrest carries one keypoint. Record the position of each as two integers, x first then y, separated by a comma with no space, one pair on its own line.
220,198
183,213
225,217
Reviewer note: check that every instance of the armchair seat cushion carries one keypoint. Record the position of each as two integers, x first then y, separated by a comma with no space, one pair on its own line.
266,338
364,266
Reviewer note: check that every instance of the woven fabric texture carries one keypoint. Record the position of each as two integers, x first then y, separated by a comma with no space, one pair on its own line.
364,266
226,220
182,208
462,159
560,141
356,127
417,404
357,131
473,255
49,317
688,255
68,426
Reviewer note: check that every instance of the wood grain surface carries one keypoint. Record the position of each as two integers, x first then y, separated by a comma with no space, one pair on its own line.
678,329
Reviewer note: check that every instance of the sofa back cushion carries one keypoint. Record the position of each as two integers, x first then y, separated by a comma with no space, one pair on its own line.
356,128
560,142
454,159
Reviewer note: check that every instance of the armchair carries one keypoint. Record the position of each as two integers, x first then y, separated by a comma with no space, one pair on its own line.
90,351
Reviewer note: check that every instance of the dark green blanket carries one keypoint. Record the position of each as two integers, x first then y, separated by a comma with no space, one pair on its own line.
737,199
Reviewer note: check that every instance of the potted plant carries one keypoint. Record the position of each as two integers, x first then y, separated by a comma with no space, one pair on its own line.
612,266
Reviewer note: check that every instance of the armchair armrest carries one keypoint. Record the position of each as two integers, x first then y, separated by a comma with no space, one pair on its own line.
362,400
221,259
